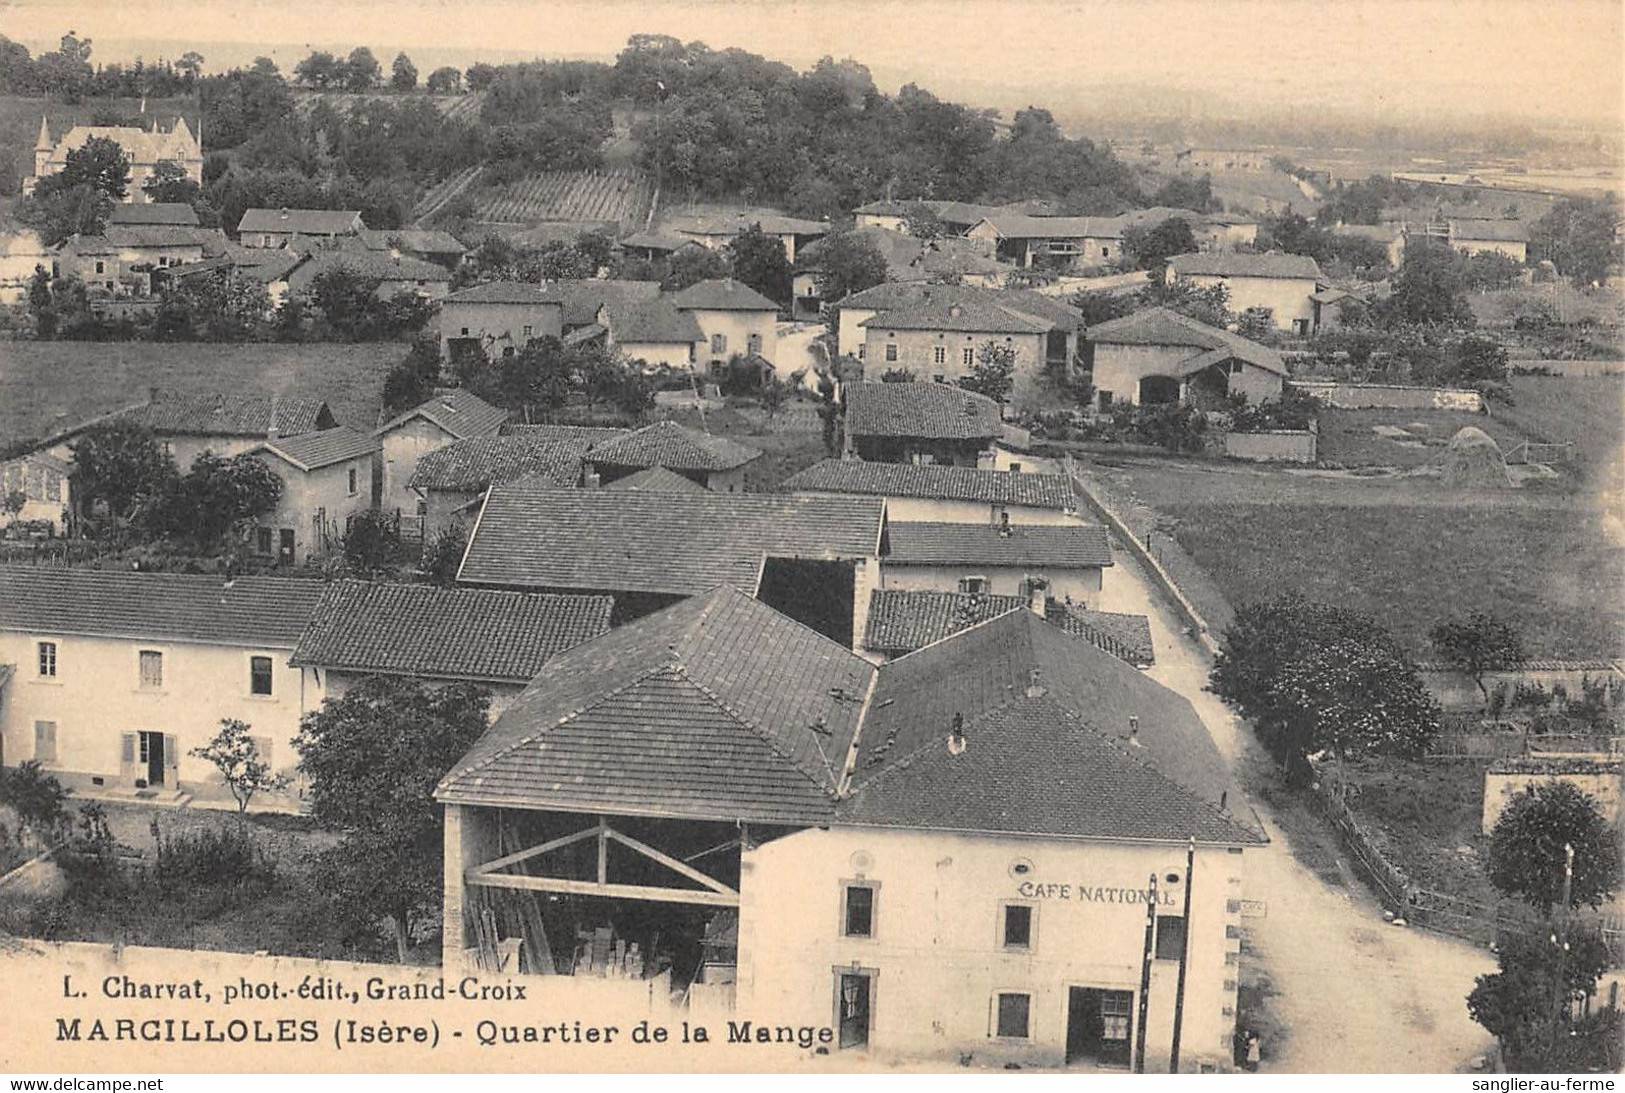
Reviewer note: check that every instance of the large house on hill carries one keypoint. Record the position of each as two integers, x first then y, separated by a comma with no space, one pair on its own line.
143,148
1159,355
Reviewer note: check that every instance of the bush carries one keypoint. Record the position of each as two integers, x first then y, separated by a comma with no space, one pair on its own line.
34,797
219,856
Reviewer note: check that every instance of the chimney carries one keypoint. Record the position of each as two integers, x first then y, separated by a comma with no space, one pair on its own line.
1037,594
1035,688
1134,732
1004,524
152,394
271,432
590,480
956,736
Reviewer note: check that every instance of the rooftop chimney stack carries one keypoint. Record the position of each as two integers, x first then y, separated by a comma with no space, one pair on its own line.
1134,732
956,736
1035,686
1004,524
271,431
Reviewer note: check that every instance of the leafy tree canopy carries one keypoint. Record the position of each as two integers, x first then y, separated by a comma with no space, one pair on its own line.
1526,847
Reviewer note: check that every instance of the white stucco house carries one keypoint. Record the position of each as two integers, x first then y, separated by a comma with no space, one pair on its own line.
1281,283
327,478
1159,355
732,317
452,414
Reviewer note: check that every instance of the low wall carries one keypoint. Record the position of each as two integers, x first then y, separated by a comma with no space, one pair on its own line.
1282,446
1509,777
1456,690
1391,396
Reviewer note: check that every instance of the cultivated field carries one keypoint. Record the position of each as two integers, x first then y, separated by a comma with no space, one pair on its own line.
47,386
466,105
1410,553
621,194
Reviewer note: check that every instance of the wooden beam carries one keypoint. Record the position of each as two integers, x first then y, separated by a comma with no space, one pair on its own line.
603,850
534,851
607,891
670,862
729,845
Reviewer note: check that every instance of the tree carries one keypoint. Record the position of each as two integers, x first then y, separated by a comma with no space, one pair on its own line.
59,213
1526,847
218,496
1430,288
373,757
99,163
320,70
774,394
758,261
1099,306
372,541
236,756
1479,644
120,464
361,70
445,80
1151,248
1528,1004
848,262
34,797
412,382
994,373
13,503
169,183
445,555
691,265
1314,678
1210,305
922,222
190,65
403,74
1577,235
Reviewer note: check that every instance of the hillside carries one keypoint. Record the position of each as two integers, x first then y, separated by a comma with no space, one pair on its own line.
620,194
463,107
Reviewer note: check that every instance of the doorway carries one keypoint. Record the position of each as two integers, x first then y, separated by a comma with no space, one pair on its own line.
853,1006
285,547
1099,1024
151,756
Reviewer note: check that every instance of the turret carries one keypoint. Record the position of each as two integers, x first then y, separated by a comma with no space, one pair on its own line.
42,149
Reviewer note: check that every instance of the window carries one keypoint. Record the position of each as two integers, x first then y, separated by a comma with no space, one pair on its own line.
527,332
465,331
719,343
45,741
753,344
47,659
1170,937
101,267
259,675
1017,931
976,585
262,540
967,356
939,355
1011,1013
891,351
152,669
1015,468
352,482
1105,400
1115,1007
938,377
862,350
858,911
1105,252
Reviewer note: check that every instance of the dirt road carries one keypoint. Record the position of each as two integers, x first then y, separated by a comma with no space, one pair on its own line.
1355,993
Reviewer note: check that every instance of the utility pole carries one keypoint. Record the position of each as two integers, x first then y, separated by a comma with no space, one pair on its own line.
1184,959
1145,973
1561,941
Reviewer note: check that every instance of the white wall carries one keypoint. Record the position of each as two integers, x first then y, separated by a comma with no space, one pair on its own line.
402,447
1286,297
96,697
324,491
936,510
503,323
670,354
1079,585
937,953
736,328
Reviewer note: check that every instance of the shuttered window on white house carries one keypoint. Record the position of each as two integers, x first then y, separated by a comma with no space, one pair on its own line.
45,741
152,669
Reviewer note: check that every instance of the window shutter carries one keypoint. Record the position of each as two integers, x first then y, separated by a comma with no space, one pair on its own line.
45,741
127,753
262,745
172,751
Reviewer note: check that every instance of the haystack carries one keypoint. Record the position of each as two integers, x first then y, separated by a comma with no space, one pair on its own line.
1473,459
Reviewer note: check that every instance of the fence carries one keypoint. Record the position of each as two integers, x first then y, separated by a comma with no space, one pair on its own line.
1530,451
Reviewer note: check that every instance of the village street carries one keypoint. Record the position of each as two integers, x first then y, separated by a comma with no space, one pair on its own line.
1358,994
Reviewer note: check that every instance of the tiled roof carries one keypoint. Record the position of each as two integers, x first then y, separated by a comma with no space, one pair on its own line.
668,444
883,208
934,411
651,322
161,235
173,413
1161,326
1046,719
901,621
323,448
721,294
1017,226
1049,491
251,611
658,480
717,708
176,213
413,240
533,536
958,315
734,224
446,633
1490,231
1059,546
1126,637
1234,264
477,462
460,413
909,294
375,265
583,436
504,292
656,241
582,299
301,221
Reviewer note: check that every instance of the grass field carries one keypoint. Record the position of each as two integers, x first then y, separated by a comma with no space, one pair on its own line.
1429,813
1410,554
1588,411
1350,437
47,386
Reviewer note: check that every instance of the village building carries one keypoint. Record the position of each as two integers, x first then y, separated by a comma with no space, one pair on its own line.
498,318
1508,237
1052,242
1161,356
1279,283
1064,562
270,269
452,480
118,675
733,319
452,414
165,214
901,621
584,299
815,808
124,257
327,478
656,480
1390,237
815,558
653,332
21,254
941,340
143,148
714,462
187,424
296,227
1332,307
498,640
427,244
716,232
954,259
653,246
885,214
45,485
918,423
395,273
948,495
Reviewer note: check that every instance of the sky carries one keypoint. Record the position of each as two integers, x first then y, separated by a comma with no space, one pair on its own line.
1389,60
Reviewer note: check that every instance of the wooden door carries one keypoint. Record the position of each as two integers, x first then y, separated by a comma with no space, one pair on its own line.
854,1010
